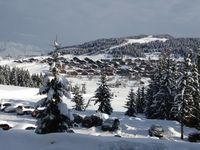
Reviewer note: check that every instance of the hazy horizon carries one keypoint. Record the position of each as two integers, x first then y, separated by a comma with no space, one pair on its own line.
77,21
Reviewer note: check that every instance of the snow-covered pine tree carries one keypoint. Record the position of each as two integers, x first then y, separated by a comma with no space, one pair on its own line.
13,77
83,88
28,82
175,105
56,117
103,96
164,98
131,104
161,90
196,96
6,73
2,79
198,62
141,103
152,90
78,99
138,101
196,74
143,99
20,78
37,80
185,97
150,109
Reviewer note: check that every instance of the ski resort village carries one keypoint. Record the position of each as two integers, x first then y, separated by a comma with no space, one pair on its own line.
99,75
102,100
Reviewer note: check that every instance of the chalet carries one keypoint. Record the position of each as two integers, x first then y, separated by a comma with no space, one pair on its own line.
76,59
123,72
89,60
96,73
105,60
33,60
85,73
63,71
91,71
82,62
94,66
72,73
72,63
128,60
79,71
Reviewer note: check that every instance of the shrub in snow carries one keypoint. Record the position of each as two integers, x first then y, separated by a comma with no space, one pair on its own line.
87,122
90,121
194,137
77,118
110,125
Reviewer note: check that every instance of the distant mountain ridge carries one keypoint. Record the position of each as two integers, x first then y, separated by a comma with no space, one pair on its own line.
134,46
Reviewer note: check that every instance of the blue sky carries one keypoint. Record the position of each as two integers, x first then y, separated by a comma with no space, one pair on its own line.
37,22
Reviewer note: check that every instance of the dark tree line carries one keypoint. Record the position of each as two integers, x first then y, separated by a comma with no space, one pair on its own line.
174,91
19,77
91,47
178,46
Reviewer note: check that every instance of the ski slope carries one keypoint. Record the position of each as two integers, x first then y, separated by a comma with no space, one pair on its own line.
147,39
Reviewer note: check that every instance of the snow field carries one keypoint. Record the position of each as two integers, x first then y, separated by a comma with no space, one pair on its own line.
134,130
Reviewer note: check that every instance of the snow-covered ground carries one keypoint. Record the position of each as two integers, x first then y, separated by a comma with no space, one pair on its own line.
24,140
147,39
133,130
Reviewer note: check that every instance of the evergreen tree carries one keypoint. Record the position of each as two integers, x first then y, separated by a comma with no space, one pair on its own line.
83,88
56,117
78,99
103,96
141,104
13,77
196,74
161,97
36,80
152,90
18,77
196,96
165,97
6,73
138,101
131,104
2,79
27,80
187,92
150,109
